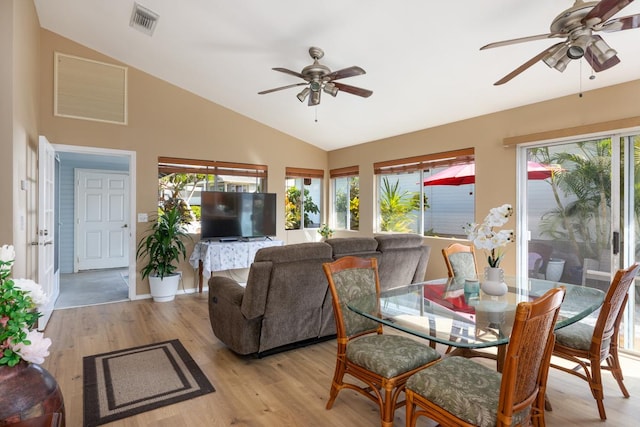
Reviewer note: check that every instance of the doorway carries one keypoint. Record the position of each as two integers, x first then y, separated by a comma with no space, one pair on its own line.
586,217
103,281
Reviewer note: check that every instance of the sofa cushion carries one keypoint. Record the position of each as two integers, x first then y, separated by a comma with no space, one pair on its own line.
343,246
398,241
294,252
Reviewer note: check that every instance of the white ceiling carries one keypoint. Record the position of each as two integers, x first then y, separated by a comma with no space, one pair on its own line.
422,57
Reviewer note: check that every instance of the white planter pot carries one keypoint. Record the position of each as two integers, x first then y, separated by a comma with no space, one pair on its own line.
163,290
555,267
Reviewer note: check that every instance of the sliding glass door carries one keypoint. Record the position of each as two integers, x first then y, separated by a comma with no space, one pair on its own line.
582,217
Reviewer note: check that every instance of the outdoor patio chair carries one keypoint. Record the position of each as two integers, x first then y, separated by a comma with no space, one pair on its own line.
589,346
382,362
458,391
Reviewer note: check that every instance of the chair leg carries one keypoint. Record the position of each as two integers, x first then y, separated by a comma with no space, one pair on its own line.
616,370
410,408
387,408
595,383
336,383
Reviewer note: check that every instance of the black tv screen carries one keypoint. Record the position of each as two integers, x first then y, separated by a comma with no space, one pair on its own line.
237,215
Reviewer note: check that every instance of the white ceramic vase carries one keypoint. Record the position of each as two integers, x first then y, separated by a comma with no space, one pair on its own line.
493,283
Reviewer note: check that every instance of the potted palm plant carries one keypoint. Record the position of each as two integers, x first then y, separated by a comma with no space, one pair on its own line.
163,248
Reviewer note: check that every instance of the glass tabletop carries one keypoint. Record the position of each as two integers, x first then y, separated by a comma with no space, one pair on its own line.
439,310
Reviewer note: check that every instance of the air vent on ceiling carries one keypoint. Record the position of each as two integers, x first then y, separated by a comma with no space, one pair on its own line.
143,19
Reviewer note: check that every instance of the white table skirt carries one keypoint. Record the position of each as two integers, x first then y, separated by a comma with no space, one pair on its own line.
219,256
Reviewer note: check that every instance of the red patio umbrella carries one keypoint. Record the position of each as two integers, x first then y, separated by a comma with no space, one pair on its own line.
466,174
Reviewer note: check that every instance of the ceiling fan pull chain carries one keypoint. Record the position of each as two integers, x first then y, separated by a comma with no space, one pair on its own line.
580,78
316,113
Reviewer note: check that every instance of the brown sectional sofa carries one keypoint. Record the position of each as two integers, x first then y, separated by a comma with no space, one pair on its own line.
286,301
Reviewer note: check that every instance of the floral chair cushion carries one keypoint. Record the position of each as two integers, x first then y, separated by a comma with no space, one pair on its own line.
463,265
578,336
356,283
389,355
464,388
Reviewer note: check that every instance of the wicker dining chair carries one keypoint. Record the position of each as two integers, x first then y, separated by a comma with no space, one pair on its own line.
461,261
382,362
458,391
589,346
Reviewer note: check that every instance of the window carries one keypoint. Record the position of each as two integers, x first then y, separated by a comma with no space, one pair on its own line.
346,198
409,200
181,181
302,198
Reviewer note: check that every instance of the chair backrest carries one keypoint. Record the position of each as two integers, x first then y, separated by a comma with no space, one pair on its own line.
349,278
528,355
461,261
608,323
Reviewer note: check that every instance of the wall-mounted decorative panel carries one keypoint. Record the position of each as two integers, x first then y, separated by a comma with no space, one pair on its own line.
89,90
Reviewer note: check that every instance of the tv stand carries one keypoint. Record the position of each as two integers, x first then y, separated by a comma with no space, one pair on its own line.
228,239
209,256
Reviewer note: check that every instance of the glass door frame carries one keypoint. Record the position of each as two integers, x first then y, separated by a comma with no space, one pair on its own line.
622,209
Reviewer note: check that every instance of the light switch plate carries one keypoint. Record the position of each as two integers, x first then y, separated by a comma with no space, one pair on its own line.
143,217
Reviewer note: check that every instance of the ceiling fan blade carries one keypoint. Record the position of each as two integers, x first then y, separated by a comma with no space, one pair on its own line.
283,87
522,40
528,64
345,72
365,93
604,10
286,71
624,23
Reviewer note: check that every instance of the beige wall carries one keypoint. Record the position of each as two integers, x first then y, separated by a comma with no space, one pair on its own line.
19,130
495,164
167,121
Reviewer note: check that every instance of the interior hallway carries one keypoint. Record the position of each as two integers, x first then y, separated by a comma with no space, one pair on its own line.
93,287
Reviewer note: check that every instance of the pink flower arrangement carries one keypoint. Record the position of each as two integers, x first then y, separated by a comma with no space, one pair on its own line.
19,300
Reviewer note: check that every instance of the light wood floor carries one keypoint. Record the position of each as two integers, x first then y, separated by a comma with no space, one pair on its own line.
286,389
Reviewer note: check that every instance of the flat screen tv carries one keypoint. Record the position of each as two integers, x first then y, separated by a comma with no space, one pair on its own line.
230,216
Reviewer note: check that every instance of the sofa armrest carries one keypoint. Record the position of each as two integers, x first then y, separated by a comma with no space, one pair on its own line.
255,295
221,287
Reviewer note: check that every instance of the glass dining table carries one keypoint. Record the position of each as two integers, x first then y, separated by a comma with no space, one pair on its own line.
441,312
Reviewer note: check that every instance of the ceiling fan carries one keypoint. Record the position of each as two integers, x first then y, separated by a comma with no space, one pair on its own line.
578,25
319,78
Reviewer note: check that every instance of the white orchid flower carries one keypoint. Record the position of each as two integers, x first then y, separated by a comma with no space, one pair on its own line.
485,237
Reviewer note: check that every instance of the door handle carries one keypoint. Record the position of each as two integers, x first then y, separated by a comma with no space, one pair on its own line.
48,242
125,226
616,243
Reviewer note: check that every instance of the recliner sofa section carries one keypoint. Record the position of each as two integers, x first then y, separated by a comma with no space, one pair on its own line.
286,301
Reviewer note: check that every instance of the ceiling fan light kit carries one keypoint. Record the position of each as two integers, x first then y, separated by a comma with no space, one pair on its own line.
577,26
319,78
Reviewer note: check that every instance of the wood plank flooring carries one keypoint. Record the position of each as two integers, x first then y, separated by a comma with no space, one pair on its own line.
285,389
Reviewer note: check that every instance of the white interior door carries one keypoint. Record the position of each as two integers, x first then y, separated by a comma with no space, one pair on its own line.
102,212
47,274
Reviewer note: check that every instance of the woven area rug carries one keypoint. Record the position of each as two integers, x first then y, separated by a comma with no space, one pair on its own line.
123,383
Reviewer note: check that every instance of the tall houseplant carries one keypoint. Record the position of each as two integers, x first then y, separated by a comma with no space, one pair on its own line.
163,248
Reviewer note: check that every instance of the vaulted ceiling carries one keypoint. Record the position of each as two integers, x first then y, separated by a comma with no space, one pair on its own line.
422,58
